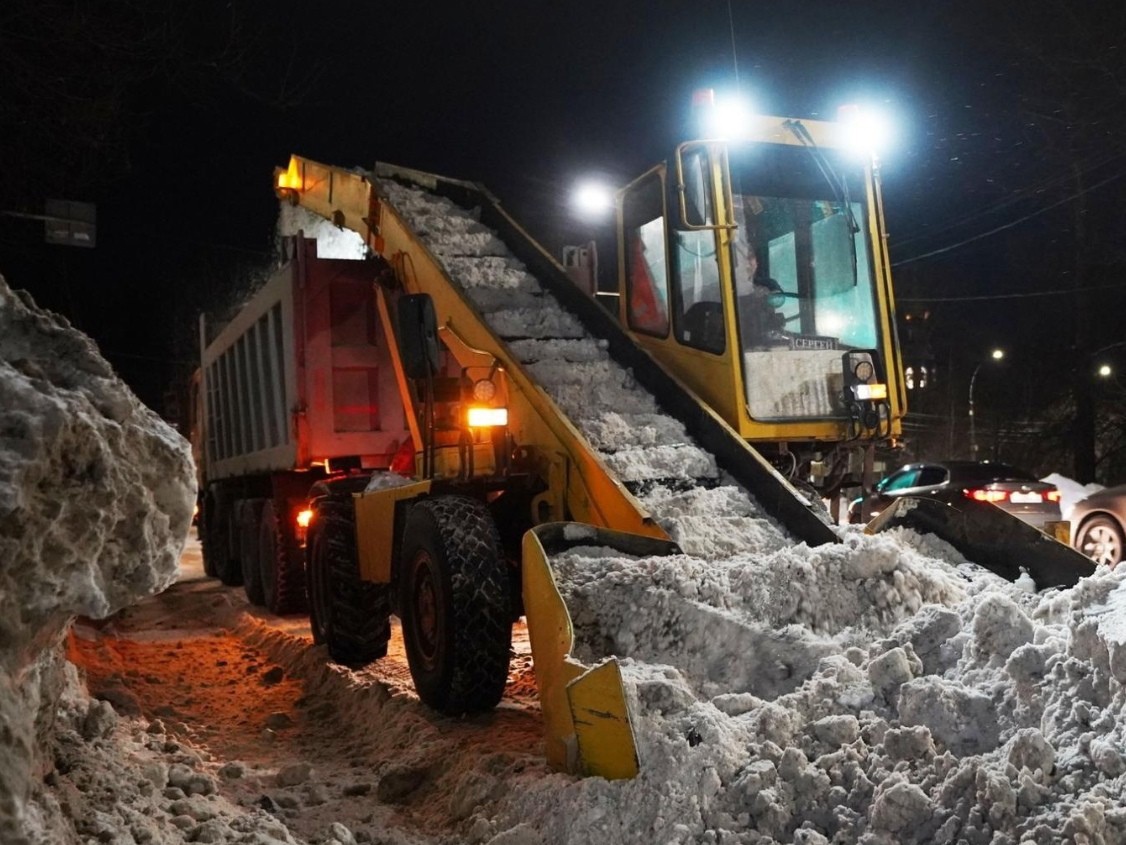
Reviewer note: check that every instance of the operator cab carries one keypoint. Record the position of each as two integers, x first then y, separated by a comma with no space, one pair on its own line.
755,272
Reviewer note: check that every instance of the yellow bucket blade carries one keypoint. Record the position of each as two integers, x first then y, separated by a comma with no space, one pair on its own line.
606,744
586,718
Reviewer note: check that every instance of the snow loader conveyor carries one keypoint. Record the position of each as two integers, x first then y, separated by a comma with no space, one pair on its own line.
437,243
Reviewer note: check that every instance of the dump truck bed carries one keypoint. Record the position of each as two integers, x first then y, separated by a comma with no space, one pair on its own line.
294,377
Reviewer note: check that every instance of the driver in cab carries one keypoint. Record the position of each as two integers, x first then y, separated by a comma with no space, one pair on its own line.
758,299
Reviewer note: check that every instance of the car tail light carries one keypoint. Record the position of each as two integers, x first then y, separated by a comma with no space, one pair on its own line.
1052,495
994,496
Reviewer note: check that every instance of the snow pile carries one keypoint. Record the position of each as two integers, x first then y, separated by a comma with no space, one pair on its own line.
96,497
1001,719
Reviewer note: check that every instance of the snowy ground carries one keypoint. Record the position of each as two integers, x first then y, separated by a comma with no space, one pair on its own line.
997,718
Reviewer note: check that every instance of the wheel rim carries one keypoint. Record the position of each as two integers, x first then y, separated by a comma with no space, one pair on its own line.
1101,544
424,602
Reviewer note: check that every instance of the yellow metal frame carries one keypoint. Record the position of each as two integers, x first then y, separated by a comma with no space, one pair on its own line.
585,710
375,528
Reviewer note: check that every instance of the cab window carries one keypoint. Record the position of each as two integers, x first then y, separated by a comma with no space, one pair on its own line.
647,282
699,312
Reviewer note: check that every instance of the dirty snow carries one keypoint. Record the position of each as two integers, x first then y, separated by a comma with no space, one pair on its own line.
882,690
96,495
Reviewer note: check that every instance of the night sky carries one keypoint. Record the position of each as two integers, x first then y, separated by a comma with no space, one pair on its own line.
172,117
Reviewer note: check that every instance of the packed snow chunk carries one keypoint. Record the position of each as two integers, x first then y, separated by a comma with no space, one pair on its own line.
583,350
542,321
96,497
999,628
491,273
613,432
96,491
962,718
684,462
332,241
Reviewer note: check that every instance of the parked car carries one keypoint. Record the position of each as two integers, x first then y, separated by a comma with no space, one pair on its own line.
1098,525
1011,489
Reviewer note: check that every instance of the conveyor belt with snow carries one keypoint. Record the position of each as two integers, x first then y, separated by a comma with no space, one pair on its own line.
648,450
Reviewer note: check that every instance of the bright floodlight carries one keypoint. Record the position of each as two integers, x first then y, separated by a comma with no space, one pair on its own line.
867,132
729,116
1105,370
593,200
997,354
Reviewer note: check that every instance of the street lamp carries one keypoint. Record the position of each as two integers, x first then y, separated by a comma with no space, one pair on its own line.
996,355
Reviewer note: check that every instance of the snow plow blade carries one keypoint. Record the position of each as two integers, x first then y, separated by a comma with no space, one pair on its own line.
586,717
987,535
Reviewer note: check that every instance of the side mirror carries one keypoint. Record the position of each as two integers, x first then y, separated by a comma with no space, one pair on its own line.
418,335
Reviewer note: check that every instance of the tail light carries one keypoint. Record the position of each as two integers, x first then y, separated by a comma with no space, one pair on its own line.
994,496
301,521
1052,495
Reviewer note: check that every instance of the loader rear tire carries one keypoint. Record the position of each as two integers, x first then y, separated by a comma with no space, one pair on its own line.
455,605
350,616
279,565
248,550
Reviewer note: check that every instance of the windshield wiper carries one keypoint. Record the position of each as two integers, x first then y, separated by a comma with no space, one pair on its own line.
837,182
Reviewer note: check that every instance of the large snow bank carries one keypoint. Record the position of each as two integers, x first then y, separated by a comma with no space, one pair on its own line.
96,497
1000,719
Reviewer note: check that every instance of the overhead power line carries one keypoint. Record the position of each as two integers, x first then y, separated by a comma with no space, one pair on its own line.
1023,295
1010,224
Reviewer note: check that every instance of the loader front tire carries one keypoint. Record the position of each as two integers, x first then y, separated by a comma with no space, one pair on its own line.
280,567
455,605
350,616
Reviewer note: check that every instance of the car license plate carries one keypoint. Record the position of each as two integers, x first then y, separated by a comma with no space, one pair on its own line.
1025,498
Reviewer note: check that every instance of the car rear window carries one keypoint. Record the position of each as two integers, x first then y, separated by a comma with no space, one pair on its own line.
984,473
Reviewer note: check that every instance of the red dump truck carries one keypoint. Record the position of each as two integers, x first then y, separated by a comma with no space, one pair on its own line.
294,388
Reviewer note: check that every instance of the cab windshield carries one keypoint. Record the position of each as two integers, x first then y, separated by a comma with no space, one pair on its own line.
803,277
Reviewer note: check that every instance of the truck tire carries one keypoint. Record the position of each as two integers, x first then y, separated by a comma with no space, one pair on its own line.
350,616
455,605
230,563
206,541
279,566
248,550
220,539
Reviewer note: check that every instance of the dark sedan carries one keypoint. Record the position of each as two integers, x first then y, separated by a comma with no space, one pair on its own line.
1098,525
1011,489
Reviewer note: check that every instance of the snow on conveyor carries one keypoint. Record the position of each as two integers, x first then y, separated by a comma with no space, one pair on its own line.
676,480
